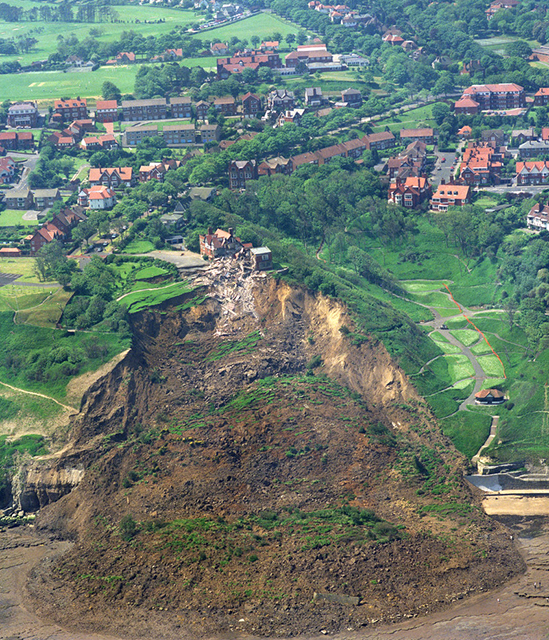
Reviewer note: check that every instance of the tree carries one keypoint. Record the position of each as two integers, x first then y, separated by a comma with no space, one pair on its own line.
440,111
290,38
518,49
52,264
301,38
110,91
444,84
255,40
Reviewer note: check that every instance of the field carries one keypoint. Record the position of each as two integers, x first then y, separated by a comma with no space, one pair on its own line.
262,25
129,14
422,116
49,85
14,217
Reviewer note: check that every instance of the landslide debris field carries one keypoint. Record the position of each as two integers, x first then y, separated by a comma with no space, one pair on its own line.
252,450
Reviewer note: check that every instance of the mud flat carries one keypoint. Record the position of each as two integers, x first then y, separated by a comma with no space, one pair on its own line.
519,609
21,549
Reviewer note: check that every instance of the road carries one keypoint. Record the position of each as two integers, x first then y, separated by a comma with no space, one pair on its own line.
29,166
444,167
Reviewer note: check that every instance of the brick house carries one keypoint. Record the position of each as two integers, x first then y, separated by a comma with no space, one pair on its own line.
496,96
112,177
18,199
68,110
314,97
180,134
381,140
221,243
181,107
251,105
541,97
45,198
533,172
202,107
210,133
534,149
466,106
410,193
134,135
154,109
8,140
426,135
225,105
23,114
106,111
240,172
351,98
261,258
274,166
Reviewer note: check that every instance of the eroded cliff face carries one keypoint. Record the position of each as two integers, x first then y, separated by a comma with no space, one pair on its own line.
240,411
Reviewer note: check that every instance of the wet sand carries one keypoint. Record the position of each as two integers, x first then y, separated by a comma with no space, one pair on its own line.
518,610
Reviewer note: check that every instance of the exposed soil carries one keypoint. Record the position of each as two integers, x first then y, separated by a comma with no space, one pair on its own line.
252,441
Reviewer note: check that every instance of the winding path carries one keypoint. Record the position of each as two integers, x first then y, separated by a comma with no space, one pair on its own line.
491,436
40,395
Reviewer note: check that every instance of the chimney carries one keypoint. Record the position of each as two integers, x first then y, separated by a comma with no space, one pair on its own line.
210,231
231,232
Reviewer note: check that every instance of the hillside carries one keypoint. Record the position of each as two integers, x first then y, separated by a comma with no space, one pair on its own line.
250,451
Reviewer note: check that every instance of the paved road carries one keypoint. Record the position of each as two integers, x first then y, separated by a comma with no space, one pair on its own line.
29,166
444,167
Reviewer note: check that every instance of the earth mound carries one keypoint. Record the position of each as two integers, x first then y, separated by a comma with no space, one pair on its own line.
255,464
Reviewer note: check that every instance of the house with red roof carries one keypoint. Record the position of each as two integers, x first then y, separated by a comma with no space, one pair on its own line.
97,197
68,110
106,111
450,195
222,243
532,172
541,97
112,177
466,106
496,96
490,396
410,193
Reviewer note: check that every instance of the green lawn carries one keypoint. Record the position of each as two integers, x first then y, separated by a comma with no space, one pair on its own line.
466,336
49,85
23,266
150,272
14,217
262,25
444,344
467,430
140,300
139,246
491,366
